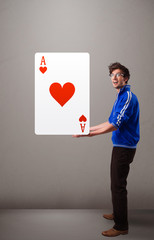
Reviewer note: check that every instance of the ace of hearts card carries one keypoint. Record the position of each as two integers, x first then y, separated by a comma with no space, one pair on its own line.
62,93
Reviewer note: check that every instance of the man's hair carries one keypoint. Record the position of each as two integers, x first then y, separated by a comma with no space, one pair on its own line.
117,65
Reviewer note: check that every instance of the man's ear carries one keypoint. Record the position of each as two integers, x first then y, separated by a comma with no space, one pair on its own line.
126,79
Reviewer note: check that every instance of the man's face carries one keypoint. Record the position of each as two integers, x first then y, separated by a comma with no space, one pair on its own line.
118,79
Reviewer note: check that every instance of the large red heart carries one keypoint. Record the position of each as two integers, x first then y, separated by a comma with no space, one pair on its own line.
62,94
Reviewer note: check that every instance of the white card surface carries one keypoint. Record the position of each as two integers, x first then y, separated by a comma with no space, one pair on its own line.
62,93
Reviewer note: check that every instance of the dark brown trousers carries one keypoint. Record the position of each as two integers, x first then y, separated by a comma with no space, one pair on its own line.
120,164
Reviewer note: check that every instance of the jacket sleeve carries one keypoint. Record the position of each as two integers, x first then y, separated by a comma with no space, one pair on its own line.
122,112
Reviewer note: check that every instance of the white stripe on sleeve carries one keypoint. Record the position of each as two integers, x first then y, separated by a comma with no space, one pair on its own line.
122,112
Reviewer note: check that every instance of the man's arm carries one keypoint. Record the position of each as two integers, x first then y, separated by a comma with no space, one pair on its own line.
104,128
99,129
102,125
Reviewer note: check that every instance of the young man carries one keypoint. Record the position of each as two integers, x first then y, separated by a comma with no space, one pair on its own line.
124,125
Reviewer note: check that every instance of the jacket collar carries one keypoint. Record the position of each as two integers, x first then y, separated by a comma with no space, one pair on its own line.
125,88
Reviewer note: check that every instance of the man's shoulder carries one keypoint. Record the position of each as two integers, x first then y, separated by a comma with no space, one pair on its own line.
128,98
125,95
129,94
134,96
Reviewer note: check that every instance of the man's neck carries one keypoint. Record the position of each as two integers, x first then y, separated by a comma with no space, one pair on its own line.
118,89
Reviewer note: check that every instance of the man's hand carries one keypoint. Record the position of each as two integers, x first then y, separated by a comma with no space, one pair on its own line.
77,136
99,129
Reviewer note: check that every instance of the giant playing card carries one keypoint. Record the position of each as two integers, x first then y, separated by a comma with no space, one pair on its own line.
62,101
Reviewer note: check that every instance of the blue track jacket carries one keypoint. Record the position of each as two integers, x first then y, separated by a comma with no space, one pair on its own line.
125,117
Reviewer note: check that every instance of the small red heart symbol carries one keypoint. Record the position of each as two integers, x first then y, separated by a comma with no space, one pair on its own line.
62,94
82,119
43,69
